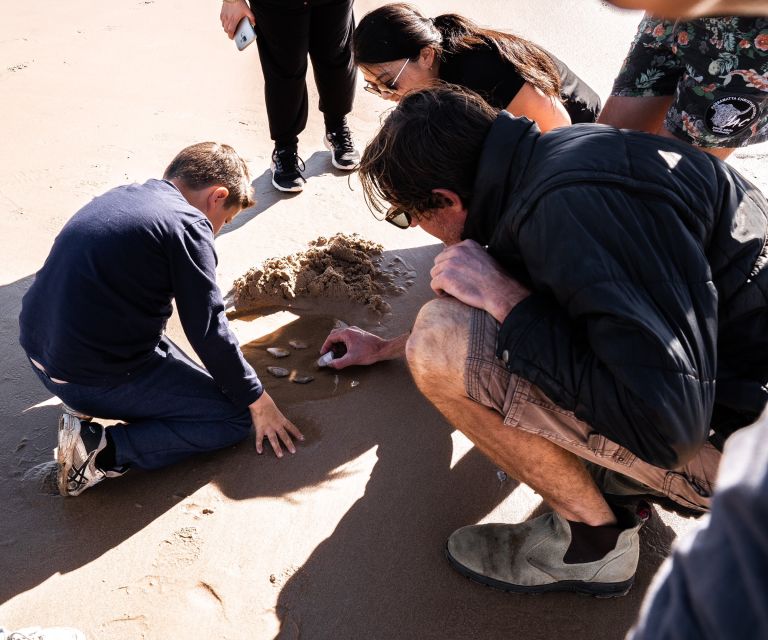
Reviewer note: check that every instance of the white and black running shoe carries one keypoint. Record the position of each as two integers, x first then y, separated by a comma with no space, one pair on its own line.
78,445
286,170
344,156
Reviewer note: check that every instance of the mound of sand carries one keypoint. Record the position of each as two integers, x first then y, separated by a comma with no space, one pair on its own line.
344,267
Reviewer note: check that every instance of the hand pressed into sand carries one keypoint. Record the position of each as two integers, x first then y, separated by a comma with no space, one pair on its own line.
466,272
362,347
269,422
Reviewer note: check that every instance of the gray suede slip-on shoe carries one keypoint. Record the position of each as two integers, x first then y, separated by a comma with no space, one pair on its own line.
529,557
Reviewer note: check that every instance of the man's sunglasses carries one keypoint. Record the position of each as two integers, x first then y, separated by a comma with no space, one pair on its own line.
398,217
390,87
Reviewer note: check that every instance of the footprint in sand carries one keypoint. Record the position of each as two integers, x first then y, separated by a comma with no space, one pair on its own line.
180,549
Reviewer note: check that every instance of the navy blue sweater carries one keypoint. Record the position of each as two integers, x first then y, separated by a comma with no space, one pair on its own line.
99,305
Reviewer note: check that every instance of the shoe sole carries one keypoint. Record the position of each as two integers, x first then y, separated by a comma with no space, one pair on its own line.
284,189
340,167
69,432
596,589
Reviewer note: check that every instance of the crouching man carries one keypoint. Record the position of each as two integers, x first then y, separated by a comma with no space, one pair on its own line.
601,327
92,325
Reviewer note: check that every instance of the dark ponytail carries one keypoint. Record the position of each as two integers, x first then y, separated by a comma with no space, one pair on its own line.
399,30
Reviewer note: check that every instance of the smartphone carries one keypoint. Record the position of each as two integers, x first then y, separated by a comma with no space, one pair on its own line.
244,34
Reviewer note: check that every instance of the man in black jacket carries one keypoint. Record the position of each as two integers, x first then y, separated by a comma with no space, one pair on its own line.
596,284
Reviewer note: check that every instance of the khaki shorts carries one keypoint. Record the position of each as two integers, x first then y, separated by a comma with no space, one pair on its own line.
524,406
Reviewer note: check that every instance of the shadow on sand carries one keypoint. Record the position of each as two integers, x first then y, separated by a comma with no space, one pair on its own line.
318,164
380,574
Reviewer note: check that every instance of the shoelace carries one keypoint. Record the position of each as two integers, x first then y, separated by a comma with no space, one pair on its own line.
343,138
291,159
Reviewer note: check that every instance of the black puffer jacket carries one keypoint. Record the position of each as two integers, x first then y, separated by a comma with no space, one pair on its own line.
647,259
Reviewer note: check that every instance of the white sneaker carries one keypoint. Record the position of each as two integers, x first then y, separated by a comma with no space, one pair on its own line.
79,444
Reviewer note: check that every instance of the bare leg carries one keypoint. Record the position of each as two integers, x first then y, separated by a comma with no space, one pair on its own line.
636,113
436,353
718,152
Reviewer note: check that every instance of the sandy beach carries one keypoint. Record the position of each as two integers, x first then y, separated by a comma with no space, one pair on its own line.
343,540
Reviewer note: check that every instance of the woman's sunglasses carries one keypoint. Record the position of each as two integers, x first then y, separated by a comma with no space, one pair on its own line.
398,217
389,88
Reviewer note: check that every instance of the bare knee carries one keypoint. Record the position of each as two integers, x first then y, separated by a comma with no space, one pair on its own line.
437,347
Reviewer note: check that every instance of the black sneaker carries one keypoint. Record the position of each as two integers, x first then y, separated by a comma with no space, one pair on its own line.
344,156
286,170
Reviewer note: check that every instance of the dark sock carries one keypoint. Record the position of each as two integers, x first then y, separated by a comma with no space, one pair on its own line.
592,543
106,460
334,123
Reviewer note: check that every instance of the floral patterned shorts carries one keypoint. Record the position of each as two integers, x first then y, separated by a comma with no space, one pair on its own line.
717,70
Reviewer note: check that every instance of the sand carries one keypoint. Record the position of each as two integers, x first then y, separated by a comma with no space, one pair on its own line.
345,539
342,267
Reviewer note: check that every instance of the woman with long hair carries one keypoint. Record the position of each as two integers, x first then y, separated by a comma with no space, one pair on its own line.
399,50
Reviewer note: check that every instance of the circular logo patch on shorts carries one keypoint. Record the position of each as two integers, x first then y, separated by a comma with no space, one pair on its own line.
730,115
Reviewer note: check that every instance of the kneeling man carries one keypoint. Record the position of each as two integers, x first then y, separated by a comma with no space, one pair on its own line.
93,321
602,325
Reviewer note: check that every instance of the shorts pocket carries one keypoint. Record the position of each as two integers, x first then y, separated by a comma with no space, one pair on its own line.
602,447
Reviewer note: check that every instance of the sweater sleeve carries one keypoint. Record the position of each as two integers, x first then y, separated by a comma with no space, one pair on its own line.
201,311
622,329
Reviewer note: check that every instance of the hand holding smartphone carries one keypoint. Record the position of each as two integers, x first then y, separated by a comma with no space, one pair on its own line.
244,34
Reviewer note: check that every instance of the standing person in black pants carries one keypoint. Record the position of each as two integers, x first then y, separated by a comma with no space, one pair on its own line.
288,30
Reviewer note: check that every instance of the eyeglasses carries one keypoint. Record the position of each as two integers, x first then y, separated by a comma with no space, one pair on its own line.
389,88
398,217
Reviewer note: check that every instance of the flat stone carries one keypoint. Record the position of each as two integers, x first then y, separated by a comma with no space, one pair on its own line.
278,372
325,359
277,352
299,378
298,344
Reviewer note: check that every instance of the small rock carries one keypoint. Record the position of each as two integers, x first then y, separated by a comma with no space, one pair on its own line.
409,283
298,344
207,511
300,379
272,578
354,383
325,359
278,372
277,352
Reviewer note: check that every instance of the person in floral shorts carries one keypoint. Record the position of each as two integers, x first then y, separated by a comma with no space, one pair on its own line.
703,81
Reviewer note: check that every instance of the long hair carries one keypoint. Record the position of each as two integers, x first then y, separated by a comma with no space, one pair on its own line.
399,30
432,140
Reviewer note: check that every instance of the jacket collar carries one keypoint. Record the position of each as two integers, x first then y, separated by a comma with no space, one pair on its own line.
503,161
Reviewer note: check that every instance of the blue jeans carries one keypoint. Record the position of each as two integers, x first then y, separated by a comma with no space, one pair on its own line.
172,409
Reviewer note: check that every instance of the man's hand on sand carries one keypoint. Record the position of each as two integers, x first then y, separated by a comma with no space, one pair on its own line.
362,347
466,272
269,422
231,15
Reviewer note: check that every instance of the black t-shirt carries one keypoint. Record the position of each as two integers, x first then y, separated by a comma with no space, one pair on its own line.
483,70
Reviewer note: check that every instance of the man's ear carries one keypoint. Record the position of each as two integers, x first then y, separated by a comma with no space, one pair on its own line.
217,197
448,200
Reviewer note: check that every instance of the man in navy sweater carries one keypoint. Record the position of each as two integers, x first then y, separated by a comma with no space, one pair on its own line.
92,325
